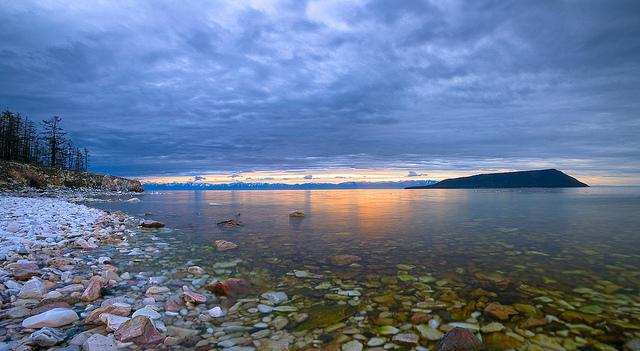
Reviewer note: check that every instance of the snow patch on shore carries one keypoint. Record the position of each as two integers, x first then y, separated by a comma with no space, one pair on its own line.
27,223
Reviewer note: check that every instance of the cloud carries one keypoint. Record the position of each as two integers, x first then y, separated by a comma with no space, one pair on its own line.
198,178
195,87
235,175
413,174
308,176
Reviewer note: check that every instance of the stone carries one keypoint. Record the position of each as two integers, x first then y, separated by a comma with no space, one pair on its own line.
147,312
155,290
275,297
280,322
406,339
499,311
296,214
112,321
632,345
460,339
231,287
118,309
492,327
196,270
47,336
56,317
223,245
97,342
139,330
388,330
353,345
191,296
148,223
429,332
13,228
23,270
216,312
375,341
344,260
92,292
33,289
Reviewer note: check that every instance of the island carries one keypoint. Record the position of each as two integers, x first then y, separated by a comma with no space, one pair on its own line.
546,178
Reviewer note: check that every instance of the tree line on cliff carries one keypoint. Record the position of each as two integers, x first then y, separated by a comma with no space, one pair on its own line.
21,140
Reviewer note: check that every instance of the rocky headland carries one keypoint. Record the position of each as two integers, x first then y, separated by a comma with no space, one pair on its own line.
15,176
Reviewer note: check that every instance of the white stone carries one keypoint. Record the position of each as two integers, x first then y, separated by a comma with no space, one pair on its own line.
56,317
216,312
99,342
275,297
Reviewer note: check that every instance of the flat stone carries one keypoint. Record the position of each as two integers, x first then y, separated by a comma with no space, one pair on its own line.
223,245
406,339
460,339
47,336
499,311
139,330
275,297
118,309
429,333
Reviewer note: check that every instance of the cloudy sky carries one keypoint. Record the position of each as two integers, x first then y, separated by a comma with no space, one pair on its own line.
418,88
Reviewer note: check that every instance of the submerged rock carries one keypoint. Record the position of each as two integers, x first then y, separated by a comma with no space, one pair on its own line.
296,214
223,245
231,287
460,339
499,311
344,260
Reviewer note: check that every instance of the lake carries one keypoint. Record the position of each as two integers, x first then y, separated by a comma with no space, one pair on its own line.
553,268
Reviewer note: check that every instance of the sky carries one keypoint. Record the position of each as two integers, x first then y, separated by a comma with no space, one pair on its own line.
322,89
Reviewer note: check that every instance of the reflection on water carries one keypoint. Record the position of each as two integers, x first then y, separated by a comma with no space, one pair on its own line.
566,260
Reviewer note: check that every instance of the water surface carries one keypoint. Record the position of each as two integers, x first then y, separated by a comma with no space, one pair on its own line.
570,254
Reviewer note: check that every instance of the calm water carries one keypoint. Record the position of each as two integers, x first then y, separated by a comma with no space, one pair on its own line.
566,253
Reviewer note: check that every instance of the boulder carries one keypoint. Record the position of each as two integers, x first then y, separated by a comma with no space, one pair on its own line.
148,223
139,330
32,289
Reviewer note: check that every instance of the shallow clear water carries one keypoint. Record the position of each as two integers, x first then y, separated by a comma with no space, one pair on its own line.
556,250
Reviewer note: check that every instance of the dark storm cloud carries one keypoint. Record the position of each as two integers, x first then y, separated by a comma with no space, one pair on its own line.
184,88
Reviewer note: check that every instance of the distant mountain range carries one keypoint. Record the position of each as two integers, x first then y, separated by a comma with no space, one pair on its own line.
546,178
280,186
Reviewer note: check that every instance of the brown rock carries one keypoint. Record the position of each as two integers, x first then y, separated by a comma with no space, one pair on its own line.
118,309
460,339
92,292
148,223
223,245
231,287
499,311
23,271
140,330
174,303
296,214
500,341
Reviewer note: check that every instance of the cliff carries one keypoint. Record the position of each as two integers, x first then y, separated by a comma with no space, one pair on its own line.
14,175
546,178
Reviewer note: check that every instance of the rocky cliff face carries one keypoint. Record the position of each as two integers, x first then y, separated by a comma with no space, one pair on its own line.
15,175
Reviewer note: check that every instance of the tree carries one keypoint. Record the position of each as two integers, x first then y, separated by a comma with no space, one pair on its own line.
54,139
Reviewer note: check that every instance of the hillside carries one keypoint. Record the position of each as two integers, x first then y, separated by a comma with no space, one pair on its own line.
14,176
547,178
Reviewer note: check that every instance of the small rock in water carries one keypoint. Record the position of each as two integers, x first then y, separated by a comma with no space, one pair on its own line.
148,223
139,330
231,287
296,214
195,270
191,296
499,311
406,339
344,260
223,245
47,336
216,312
275,297
460,339
353,345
